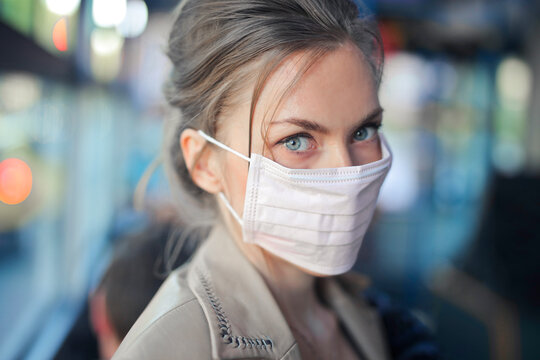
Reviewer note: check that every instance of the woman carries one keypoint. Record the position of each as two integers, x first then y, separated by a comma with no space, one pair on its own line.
277,132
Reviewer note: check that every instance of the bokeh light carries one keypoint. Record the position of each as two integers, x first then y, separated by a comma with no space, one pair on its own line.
60,35
108,13
63,7
15,181
105,42
514,80
105,54
135,20
18,91
403,87
514,89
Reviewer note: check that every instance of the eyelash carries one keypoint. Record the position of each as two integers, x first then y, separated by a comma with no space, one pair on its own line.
375,125
298,135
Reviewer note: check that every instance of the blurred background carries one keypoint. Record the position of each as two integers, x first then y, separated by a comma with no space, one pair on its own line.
456,234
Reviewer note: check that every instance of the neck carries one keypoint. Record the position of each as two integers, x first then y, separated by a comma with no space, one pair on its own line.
294,291
292,287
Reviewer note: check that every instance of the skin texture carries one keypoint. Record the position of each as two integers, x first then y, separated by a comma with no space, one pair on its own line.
339,109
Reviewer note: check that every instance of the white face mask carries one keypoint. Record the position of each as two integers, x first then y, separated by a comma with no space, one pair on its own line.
313,218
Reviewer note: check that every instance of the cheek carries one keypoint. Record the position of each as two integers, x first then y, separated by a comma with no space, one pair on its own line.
367,152
235,178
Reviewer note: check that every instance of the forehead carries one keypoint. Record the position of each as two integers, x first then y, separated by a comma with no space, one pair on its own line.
338,85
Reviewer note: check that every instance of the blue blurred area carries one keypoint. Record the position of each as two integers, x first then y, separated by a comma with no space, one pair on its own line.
456,234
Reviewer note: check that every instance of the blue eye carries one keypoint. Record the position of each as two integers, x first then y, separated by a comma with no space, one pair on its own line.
297,143
364,133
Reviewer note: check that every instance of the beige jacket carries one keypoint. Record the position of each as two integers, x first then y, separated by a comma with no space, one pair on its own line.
218,307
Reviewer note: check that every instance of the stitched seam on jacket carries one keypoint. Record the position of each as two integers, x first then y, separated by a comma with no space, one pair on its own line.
152,324
224,325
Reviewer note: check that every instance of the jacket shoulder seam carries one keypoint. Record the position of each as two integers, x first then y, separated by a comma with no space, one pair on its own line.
289,350
152,324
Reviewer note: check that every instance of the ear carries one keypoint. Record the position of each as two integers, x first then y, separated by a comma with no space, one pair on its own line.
200,161
98,314
108,340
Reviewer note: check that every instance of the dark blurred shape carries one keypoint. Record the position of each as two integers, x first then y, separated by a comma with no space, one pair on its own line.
408,338
492,295
136,273
81,343
505,253
9,244
461,27
19,53
482,316
140,263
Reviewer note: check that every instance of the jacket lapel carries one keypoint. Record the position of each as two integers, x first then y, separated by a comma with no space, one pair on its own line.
243,317
361,321
245,320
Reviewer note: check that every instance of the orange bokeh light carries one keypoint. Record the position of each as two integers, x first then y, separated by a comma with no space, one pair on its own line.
15,181
59,35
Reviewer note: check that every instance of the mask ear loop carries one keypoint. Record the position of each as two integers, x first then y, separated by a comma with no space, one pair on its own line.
237,153
231,210
223,146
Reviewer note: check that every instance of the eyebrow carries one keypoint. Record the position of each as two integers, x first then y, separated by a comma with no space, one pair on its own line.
314,126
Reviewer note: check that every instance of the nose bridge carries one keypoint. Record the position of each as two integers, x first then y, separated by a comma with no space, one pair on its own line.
342,156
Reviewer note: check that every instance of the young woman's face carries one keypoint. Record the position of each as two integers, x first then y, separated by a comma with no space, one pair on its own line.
329,119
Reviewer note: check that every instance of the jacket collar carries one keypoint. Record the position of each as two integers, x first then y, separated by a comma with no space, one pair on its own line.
243,316
360,320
